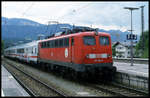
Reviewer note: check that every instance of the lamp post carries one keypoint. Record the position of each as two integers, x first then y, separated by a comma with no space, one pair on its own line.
142,25
131,9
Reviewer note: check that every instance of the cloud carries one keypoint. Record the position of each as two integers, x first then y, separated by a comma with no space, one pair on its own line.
108,15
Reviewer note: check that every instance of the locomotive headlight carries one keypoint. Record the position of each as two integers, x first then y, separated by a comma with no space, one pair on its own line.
104,55
92,56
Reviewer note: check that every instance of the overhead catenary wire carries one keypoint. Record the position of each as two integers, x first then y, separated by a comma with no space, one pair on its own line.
81,8
75,10
27,9
32,4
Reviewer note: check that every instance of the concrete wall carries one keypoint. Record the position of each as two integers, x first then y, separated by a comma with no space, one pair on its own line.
132,81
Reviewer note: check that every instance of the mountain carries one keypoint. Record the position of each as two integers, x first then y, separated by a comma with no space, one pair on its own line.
117,35
19,21
18,29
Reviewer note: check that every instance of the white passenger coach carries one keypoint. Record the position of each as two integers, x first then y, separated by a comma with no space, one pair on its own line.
27,52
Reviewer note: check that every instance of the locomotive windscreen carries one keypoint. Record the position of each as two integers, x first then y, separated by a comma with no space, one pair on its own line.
104,40
89,40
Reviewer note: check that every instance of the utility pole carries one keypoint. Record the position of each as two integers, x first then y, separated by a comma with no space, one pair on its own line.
40,36
55,22
131,9
142,25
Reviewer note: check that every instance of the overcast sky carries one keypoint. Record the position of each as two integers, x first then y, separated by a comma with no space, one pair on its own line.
104,15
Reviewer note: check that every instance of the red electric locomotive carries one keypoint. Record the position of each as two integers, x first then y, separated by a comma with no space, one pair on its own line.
80,54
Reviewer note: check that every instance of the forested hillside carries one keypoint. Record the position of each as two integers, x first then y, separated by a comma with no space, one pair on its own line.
18,29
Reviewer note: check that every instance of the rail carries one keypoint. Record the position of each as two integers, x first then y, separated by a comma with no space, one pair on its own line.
28,90
135,60
116,90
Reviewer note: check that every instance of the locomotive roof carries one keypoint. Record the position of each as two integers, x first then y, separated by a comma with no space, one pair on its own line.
76,34
62,36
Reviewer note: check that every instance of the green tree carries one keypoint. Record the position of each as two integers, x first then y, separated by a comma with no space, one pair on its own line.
139,47
113,50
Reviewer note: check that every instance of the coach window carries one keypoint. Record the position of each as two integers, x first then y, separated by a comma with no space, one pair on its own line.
32,50
104,40
61,42
47,44
72,41
52,43
56,43
17,50
22,50
89,40
42,45
66,42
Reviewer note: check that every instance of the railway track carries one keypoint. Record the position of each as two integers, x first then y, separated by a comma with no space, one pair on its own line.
113,89
117,90
40,86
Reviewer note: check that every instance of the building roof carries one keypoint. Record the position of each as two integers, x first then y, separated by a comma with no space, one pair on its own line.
126,44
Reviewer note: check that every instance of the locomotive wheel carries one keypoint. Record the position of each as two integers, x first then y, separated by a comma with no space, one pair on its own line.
46,67
74,75
107,76
43,66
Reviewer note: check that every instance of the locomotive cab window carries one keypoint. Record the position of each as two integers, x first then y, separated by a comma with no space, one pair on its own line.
104,40
89,40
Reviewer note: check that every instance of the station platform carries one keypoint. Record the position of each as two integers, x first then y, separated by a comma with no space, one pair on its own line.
10,87
136,69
